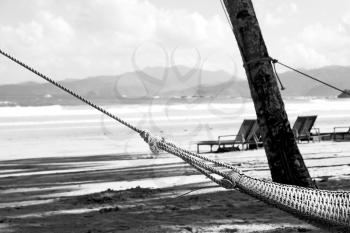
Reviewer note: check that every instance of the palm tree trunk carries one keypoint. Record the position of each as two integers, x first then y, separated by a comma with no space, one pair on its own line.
285,161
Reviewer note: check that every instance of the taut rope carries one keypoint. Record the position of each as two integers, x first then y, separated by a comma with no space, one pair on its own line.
309,76
71,92
321,207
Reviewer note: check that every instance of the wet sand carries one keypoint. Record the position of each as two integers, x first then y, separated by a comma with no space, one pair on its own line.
141,193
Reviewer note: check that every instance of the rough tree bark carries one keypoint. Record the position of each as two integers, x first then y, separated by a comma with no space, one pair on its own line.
285,161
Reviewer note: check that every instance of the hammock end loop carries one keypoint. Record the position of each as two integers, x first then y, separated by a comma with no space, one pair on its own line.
152,141
228,184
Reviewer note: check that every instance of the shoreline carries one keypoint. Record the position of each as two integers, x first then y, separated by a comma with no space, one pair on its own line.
190,100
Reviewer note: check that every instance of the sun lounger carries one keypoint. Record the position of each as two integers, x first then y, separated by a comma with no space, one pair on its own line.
341,134
302,128
248,137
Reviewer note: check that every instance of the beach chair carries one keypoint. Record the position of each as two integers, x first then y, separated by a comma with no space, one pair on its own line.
248,137
210,143
341,134
302,128
254,139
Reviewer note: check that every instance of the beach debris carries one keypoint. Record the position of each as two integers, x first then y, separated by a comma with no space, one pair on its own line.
111,196
229,230
3,220
109,209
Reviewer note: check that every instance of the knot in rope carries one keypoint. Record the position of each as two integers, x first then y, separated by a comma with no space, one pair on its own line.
269,59
273,60
152,141
253,61
227,184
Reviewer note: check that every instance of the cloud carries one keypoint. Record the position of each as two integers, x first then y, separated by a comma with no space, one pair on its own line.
326,37
45,28
279,15
273,20
97,37
288,8
93,37
299,53
319,45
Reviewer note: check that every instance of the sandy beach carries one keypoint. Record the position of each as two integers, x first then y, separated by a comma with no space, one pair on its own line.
152,116
80,194
67,169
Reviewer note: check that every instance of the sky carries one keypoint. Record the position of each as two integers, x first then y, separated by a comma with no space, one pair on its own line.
81,38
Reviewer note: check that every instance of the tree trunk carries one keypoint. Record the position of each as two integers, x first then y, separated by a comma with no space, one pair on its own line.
285,161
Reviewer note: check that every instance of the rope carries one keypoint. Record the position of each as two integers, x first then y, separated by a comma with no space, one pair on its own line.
319,207
260,59
276,74
71,92
221,164
226,14
309,76
325,207
269,59
274,61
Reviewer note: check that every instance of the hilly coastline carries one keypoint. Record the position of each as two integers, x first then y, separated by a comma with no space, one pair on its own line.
173,82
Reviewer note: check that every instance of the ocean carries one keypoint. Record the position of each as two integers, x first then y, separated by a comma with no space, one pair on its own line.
64,131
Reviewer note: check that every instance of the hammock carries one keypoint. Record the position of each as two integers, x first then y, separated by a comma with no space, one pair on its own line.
323,208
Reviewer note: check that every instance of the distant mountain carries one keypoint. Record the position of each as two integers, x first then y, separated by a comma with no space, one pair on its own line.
175,82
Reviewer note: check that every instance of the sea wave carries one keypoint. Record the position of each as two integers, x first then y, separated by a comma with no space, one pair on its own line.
58,110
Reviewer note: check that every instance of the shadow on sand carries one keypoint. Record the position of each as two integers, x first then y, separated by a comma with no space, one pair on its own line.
32,200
